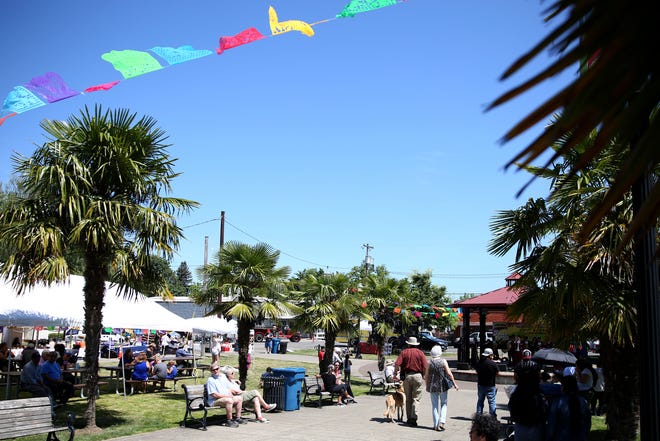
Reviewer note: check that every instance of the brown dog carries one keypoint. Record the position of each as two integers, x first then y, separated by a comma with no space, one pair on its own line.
394,404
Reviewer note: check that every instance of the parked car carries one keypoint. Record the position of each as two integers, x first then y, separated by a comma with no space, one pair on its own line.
474,339
427,341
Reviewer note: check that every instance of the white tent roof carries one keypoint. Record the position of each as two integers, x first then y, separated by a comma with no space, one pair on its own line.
214,324
63,305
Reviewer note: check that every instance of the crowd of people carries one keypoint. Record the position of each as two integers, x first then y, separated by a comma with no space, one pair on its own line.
544,406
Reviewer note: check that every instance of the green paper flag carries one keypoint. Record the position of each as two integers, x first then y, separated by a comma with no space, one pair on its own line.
132,63
357,6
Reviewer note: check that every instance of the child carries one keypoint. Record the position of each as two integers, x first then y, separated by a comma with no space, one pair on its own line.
171,369
347,369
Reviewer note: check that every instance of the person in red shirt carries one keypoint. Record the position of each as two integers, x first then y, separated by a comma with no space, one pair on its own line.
321,354
411,366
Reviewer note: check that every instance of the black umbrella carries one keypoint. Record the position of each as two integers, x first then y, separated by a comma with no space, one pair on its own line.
554,355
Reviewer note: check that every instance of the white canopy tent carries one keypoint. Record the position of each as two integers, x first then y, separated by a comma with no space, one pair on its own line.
62,305
214,324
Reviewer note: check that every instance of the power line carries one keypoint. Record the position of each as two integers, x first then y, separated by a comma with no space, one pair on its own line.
398,273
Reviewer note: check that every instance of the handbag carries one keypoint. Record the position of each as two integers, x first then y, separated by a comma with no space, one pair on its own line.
446,383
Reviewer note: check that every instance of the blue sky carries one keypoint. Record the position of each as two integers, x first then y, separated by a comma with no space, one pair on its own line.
371,131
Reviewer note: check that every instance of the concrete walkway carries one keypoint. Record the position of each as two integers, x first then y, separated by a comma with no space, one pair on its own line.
361,421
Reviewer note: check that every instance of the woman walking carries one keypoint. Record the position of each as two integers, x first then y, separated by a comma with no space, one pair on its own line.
439,380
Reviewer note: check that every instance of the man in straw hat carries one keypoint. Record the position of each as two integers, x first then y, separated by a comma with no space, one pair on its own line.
411,366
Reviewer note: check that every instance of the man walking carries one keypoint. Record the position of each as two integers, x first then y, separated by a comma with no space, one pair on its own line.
486,372
411,366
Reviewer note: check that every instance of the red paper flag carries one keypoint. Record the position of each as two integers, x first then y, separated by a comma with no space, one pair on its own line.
105,86
244,37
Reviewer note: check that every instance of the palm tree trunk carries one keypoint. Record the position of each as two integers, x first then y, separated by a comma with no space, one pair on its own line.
244,326
621,368
330,339
95,277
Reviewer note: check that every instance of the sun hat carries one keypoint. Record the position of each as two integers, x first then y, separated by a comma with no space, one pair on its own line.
412,341
436,351
389,362
487,352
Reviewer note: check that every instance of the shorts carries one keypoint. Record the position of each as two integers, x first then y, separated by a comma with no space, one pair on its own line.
222,401
249,395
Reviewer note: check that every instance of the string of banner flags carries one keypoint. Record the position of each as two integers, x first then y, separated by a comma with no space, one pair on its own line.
51,87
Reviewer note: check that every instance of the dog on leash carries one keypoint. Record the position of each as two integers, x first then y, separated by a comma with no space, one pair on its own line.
394,404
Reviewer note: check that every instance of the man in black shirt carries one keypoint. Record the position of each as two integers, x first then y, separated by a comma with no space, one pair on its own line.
487,370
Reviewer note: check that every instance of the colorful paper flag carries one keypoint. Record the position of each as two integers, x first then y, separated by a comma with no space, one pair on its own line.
21,100
105,86
244,37
132,63
50,87
358,6
180,54
281,27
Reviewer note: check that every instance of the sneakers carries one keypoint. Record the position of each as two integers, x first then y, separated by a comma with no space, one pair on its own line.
232,423
263,420
240,421
270,407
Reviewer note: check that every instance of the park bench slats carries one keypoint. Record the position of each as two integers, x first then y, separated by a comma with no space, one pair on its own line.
30,416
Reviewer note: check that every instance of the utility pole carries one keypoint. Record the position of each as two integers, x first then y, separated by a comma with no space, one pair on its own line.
206,259
222,244
368,260
222,229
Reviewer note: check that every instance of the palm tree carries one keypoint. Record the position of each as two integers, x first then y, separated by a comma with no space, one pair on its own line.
95,187
382,295
249,275
574,289
618,94
329,302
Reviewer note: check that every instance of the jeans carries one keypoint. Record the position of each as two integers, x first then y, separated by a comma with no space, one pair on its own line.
439,417
484,392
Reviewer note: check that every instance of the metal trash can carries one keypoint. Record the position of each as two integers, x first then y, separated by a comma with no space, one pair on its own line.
294,378
274,390
276,346
284,344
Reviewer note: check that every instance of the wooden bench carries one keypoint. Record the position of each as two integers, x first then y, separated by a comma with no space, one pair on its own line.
31,416
378,382
314,388
82,387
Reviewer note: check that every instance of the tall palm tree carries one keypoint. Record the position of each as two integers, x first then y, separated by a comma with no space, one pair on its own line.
329,302
96,187
574,289
249,275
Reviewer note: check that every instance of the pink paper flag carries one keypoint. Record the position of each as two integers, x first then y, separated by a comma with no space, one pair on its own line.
244,37
105,86
4,118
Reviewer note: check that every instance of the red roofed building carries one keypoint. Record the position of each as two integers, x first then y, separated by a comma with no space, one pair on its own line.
484,311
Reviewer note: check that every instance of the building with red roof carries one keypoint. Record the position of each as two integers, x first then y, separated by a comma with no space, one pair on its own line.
484,311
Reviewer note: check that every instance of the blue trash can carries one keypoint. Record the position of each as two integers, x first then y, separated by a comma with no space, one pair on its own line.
276,345
294,378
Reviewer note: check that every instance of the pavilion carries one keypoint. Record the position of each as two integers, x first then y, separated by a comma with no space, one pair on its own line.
484,311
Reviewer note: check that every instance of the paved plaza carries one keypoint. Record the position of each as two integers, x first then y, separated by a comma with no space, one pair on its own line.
361,421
